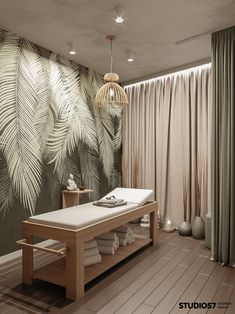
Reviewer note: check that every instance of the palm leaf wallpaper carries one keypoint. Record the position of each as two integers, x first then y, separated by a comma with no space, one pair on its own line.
49,126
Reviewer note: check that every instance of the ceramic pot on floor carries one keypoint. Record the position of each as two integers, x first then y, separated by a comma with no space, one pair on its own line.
198,228
185,229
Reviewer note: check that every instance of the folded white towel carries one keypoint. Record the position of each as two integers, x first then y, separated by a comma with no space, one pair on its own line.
90,244
122,242
92,251
108,236
109,250
108,243
94,259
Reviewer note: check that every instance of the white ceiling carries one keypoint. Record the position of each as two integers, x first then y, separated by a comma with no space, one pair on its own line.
150,30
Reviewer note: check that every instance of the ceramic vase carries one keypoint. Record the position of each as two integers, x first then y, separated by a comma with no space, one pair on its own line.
198,228
185,229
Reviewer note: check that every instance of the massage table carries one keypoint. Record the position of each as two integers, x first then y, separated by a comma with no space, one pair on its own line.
75,225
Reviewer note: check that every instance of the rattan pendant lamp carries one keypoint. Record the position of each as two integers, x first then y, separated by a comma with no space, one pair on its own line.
111,94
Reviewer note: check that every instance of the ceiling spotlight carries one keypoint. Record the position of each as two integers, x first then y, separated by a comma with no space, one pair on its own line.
119,19
130,57
71,49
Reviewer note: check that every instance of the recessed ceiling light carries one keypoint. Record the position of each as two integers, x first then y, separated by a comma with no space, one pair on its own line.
119,19
71,49
130,57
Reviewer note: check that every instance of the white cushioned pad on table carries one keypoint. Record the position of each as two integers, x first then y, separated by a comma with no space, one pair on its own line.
79,216
139,196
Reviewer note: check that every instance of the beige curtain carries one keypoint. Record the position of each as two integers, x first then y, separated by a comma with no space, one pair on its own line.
165,137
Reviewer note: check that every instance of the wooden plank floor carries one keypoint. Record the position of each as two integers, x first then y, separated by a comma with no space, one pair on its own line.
154,281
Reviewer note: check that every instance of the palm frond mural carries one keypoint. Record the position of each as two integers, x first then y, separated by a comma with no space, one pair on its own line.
18,105
71,165
104,125
6,192
48,124
89,163
118,133
75,122
44,120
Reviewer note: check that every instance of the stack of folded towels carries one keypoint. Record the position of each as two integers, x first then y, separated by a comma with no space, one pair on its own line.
91,253
108,243
125,235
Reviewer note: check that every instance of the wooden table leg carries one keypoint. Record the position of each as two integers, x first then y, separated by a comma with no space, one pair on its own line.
75,271
27,261
154,228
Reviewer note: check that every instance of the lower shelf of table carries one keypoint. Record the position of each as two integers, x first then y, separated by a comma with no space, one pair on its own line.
55,271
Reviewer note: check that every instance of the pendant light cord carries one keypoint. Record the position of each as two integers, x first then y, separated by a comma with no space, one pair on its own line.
111,55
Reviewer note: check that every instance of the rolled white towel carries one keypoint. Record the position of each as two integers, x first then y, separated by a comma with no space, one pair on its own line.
108,236
123,229
93,259
109,250
92,251
130,239
122,242
122,235
108,243
90,244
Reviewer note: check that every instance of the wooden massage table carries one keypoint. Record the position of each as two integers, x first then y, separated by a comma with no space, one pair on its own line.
75,225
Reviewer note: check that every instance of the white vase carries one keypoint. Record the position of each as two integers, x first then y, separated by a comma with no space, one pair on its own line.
185,229
198,228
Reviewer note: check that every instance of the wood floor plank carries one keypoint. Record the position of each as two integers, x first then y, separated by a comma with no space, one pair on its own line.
209,290
231,306
176,256
229,276
222,295
138,298
144,309
145,276
195,252
112,290
163,289
81,310
9,309
190,293
169,301
115,303
207,268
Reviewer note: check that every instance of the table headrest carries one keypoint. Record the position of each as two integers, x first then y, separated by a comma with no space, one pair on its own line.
138,196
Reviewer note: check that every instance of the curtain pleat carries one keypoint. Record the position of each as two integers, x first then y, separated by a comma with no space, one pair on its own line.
223,137
165,132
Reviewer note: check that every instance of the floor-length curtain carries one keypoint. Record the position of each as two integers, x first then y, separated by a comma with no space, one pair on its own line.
165,139
223,138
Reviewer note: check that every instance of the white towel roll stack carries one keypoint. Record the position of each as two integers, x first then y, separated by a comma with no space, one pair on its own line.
91,253
108,243
125,235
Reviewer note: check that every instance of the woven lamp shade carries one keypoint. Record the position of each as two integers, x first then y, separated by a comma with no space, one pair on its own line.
111,93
